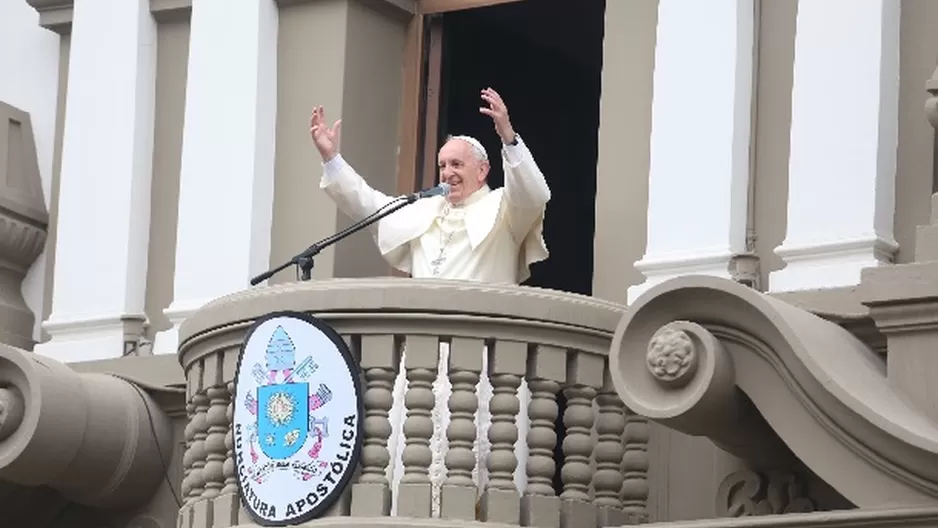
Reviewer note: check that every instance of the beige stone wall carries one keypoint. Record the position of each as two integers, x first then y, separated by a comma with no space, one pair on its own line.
346,57
359,78
624,135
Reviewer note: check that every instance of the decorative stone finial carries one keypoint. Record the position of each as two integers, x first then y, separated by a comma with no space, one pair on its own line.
23,222
672,357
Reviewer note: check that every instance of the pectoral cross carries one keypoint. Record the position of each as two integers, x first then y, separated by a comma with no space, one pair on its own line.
438,261
441,258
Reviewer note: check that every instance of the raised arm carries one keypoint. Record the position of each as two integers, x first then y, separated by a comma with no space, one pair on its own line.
526,190
350,192
525,185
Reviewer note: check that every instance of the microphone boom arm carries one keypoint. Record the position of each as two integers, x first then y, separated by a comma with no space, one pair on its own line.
304,259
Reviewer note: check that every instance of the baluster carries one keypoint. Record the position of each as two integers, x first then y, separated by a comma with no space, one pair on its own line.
380,357
608,478
184,517
507,364
231,478
415,493
200,430
584,375
458,496
635,468
439,415
189,437
227,505
217,421
540,505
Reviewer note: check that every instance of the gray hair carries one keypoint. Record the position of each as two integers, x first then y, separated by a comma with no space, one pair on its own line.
475,146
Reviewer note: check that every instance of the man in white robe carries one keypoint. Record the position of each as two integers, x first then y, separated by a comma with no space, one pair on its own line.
475,233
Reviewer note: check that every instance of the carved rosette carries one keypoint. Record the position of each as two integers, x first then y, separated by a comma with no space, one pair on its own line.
748,493
677,372
23,223
672,357
680,374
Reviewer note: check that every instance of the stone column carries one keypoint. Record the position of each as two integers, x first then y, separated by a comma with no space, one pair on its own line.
844,130
903,300
699,173
104,194
227,169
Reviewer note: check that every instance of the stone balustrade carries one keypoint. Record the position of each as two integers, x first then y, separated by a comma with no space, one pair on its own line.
582,462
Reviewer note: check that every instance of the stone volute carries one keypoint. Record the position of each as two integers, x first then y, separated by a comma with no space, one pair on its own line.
23,223
98,439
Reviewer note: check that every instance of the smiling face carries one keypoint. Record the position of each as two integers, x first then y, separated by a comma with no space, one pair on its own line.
463,168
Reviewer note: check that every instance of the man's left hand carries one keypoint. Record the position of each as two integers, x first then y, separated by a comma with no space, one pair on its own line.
499,114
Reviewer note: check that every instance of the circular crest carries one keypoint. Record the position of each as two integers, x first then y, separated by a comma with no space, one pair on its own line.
298,428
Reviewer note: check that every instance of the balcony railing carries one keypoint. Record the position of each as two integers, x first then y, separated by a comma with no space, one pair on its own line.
563,451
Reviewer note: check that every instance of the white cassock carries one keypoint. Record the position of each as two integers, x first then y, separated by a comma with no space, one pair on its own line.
493,236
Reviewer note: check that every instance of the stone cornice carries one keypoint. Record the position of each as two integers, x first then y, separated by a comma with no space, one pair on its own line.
404,6
417,297
821,390
171,10
56,15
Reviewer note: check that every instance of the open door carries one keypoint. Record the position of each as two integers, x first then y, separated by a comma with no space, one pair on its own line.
420,115
420,105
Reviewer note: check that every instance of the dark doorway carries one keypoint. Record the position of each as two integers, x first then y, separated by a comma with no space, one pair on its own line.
545,58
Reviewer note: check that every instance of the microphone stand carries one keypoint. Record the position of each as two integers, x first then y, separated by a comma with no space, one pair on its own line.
304,259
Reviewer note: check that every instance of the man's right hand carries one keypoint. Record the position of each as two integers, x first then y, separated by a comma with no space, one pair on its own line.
326,139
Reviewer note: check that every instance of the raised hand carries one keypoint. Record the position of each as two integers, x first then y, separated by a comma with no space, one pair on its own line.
326,139
498,111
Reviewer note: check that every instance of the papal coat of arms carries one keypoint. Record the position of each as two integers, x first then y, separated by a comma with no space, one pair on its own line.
297,423
284,406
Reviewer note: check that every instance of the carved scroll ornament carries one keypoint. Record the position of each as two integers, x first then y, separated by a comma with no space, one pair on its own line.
749,493
765,381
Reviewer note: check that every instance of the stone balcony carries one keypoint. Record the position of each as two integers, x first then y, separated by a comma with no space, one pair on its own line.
563,451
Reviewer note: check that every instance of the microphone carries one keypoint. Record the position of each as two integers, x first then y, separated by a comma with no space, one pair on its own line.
442,189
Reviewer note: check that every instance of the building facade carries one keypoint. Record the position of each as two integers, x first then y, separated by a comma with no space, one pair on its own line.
735,319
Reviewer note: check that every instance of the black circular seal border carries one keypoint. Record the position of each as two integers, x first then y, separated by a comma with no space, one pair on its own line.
354,371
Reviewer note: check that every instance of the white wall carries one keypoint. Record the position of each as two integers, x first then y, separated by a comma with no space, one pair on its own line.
29,68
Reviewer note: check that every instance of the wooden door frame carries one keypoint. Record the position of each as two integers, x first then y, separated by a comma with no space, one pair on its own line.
420,91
